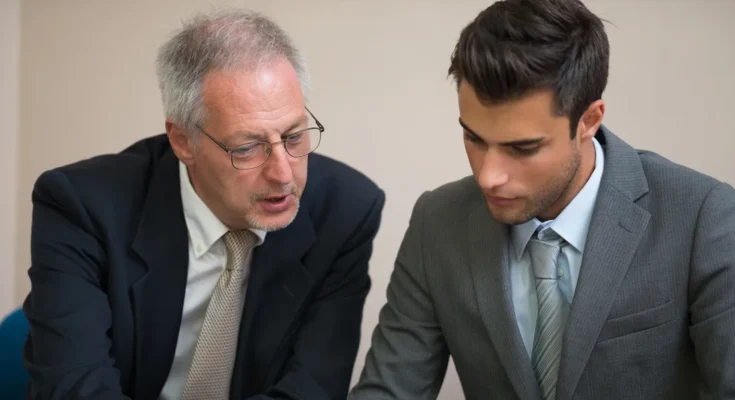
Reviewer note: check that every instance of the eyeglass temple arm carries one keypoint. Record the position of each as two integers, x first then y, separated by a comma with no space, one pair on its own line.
318,124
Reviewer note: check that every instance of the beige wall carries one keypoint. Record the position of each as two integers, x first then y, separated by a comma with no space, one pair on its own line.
379,86
9,77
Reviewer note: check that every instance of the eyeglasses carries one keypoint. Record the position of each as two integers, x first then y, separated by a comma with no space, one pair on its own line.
254,154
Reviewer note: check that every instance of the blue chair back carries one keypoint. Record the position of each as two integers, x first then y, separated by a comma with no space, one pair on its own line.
13,376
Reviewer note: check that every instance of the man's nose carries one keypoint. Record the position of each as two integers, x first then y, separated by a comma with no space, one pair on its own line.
277,168
493,172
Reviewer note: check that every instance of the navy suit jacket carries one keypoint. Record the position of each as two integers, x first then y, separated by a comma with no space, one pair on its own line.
109,264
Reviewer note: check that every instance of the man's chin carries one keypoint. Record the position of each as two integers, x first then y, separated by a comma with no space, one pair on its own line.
509,217
271,222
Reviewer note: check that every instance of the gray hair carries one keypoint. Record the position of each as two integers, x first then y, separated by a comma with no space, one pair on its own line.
223,40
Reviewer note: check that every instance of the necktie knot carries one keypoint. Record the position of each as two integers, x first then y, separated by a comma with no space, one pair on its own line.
544,254
238,244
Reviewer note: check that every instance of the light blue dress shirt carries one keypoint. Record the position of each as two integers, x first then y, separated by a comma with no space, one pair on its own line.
572,225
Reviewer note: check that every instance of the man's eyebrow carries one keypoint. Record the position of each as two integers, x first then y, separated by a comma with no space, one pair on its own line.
521,142
239,136
242,137
467,128
297,124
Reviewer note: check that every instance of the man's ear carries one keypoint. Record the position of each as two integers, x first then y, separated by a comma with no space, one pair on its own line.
180,141
591,120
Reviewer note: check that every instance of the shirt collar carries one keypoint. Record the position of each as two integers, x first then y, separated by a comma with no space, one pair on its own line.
204,227
573,222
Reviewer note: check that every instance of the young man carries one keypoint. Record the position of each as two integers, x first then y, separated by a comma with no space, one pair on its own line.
200,264
570,265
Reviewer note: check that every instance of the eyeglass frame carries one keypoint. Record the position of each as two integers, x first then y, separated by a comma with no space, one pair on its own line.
229,150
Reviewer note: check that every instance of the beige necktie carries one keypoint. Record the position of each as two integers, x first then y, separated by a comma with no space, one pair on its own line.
211,369
550,322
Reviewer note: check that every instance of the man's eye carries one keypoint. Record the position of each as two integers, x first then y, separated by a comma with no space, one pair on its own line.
525,150
471,138
296,137
246,151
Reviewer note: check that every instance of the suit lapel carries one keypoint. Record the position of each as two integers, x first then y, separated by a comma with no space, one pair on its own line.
491,279
617,226
277,289
162,244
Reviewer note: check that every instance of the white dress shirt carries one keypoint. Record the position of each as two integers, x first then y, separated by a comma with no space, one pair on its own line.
207,259
572,225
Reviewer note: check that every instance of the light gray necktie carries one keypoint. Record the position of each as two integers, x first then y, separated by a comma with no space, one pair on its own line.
551,309
211,369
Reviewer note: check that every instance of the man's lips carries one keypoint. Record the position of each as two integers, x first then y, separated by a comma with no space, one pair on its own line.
500,201
276,198
278,203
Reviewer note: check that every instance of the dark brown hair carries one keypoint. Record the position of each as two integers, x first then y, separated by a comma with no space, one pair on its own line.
516,47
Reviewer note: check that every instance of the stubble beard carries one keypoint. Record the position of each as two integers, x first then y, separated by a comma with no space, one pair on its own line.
546,197
255,222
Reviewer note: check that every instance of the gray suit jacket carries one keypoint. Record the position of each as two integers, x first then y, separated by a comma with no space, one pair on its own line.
653,315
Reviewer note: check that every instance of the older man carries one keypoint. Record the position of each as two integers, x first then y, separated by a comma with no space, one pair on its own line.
199,264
